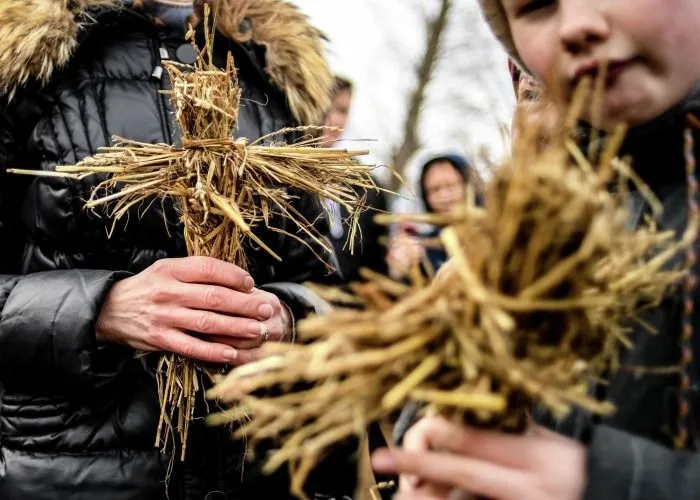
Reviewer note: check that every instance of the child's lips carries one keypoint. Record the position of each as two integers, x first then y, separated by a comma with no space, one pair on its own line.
615,68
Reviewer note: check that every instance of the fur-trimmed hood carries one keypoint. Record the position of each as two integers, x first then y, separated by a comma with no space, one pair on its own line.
39,36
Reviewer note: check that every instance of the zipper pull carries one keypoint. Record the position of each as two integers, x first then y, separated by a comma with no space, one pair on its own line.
157,73
163,54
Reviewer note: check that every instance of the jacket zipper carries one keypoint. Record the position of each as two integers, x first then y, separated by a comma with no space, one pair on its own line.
165,100
160,53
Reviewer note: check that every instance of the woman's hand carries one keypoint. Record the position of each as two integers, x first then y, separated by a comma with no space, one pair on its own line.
198,307
442,461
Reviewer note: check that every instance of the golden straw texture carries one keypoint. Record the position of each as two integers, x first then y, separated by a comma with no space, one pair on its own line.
531,309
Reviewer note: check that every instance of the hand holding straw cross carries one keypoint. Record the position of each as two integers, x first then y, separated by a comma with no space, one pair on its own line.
223,188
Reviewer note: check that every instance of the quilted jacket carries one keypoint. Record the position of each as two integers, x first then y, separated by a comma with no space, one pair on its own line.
78,420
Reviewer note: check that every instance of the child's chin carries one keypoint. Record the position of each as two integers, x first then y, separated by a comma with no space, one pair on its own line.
634,116
639,102
632,110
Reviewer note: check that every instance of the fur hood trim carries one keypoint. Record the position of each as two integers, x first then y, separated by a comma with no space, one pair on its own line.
295,57
38,36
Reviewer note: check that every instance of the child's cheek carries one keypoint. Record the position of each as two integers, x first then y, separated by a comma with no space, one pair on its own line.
540,52
671,37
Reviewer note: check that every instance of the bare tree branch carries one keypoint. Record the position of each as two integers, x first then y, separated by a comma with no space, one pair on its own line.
410,142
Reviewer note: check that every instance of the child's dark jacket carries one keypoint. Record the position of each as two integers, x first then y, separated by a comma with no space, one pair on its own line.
631,453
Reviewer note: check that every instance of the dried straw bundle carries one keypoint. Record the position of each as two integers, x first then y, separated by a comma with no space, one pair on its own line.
530,311
223,188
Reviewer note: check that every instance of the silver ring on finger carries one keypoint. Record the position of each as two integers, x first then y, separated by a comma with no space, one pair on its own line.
265,333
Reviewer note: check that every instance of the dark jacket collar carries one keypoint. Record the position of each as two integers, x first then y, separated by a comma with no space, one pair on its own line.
656,149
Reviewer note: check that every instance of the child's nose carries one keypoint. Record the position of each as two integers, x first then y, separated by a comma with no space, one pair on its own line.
582,25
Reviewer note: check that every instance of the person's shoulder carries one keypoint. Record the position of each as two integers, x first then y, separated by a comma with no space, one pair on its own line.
691,103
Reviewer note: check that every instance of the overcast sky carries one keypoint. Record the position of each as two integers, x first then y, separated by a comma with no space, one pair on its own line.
377,43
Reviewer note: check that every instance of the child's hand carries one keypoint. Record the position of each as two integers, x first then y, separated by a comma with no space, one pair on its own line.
441,457
405,252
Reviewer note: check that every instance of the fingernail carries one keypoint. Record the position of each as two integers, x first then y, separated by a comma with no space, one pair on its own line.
230,354
383,460
255,329
248,284
265,311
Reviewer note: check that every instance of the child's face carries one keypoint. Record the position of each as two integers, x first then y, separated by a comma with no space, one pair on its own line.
652,48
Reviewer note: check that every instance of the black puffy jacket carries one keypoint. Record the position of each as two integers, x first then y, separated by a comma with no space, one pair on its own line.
78,421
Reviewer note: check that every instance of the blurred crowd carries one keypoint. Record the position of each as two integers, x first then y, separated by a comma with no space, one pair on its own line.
443,180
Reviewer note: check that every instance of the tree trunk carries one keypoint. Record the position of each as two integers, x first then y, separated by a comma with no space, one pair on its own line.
410,142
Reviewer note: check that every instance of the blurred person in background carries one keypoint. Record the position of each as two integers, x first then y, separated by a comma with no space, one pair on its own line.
370,243
339,112
442,186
